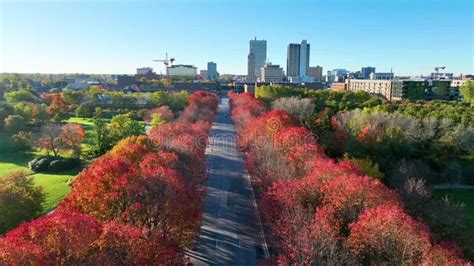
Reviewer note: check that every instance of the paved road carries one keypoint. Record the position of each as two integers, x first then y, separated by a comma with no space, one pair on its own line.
230,231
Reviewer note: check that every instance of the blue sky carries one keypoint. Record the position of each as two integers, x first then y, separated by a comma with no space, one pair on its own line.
412,36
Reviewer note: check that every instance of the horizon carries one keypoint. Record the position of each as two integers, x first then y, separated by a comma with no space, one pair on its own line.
117,37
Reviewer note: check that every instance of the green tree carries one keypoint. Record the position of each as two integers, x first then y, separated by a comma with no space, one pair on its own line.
123,125
101,140
20,200
157,120
71,96
22,141
21,95
14,123
5,110
40,114
85,110
24,110
467,91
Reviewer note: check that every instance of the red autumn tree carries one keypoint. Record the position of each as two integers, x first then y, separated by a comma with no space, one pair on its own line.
64,236
125,244
72,135
58,108
50,139
347,195
15,252
164,112
387,234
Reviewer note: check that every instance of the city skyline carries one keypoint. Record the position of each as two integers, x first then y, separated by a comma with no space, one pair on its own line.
105,38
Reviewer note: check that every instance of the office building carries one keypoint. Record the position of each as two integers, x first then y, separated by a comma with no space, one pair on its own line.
211,71
316,72
203,74
251,77
382,76
258,50
366,71
181,71
297,62
144,70
271,73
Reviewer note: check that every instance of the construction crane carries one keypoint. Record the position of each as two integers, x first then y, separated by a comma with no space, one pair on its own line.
438,68
167,61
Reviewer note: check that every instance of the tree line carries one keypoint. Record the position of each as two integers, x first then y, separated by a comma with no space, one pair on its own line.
316,209
140,203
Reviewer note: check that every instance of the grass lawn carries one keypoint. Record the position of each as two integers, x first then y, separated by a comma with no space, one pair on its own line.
55,186
80,120
460,195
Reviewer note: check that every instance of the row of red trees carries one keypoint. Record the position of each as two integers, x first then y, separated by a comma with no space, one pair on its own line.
138,204
316,210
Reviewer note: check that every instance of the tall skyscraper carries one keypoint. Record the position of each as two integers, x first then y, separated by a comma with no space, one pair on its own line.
259,50
211,71
366,71
297,64
251,77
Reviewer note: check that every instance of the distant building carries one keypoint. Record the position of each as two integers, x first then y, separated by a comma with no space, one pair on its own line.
382,76
144,70
405,89
271,73
126,80
259,50
297,62
203,73
338,86
366,71
211,71
382,88
181,71
316,72
251,77
439,76
336,75
458,83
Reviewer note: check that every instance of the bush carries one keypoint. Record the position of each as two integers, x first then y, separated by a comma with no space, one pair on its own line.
63,164
40,164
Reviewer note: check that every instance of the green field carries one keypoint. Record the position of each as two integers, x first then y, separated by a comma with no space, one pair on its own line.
460,195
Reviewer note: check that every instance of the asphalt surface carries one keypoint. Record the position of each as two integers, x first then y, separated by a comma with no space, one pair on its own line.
230,229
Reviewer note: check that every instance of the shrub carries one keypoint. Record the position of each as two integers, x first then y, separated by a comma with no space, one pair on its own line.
40,164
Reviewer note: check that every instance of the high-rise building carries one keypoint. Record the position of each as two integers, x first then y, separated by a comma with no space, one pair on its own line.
259,50
271,73
297,63
211,71
366,71
251,68
316,72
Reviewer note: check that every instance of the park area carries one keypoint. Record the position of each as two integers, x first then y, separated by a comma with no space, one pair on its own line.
55,185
